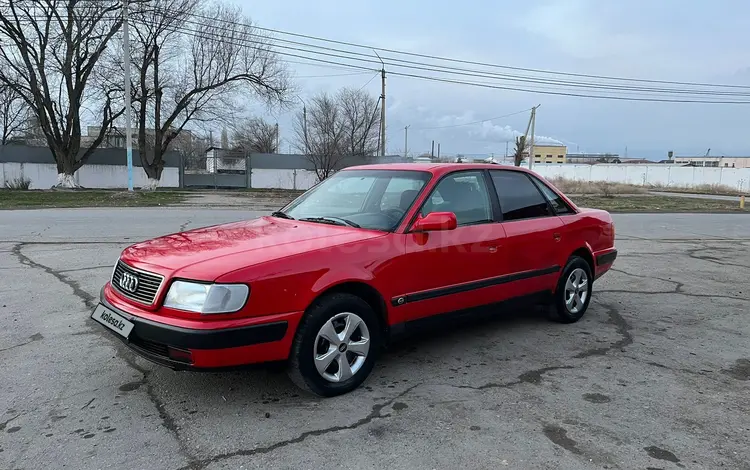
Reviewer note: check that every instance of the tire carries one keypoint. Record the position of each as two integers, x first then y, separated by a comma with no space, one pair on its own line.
311,350
566,308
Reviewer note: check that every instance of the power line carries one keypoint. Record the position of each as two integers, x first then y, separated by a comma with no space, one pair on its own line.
243,42
479,84
622,98
484,64
477,73
474,122
369,81
332,75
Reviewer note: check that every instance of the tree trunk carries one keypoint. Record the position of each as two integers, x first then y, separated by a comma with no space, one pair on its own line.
153,171
65,170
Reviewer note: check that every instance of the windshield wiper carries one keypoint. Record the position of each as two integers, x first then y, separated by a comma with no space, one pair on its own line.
332,220
281,215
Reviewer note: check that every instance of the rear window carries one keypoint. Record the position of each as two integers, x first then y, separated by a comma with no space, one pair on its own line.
519,197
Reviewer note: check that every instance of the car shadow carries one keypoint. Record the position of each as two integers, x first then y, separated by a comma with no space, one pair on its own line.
268,384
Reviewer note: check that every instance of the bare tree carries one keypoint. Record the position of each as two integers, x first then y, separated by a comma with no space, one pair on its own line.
196,64
255,136
321,135
519,151
334,128
361,121
192,150
14,115
48,52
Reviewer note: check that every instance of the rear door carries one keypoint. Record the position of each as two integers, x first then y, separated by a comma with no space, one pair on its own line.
533,233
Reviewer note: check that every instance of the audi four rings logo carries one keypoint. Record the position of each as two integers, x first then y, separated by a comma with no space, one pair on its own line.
129,282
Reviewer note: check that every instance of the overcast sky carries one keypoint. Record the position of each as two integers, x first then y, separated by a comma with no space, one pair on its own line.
680,40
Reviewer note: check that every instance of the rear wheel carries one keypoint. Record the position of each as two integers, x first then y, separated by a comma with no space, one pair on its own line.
335,346
573,293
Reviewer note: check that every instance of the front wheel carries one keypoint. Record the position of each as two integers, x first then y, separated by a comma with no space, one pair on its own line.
573,292
335,346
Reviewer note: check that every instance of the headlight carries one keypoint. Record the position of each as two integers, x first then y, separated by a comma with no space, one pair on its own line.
206,298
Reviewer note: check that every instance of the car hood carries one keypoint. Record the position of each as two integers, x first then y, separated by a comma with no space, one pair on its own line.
208,253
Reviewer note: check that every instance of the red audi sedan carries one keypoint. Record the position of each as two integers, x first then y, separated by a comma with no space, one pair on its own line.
325,282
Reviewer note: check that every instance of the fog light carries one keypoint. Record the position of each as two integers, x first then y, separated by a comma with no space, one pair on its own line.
180,355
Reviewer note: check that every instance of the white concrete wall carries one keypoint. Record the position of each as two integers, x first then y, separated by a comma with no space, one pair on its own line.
664,175
283,179
44,175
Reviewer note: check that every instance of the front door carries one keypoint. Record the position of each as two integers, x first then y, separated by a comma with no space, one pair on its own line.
444,271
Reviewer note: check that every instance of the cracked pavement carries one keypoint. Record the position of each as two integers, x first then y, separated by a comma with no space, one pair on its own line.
656,375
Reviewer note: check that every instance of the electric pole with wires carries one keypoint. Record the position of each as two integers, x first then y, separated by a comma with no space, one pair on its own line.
382,106
126,64
406,141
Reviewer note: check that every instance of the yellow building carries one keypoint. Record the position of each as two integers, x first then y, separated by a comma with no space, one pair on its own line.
550,153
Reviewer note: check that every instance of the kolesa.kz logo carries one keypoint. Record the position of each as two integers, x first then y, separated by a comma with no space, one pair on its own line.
113,321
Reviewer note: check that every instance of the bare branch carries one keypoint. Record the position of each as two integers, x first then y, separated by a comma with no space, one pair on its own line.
194,64
331,129
49,50
255,136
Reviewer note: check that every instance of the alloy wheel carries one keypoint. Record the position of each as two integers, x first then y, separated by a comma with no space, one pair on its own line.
576,290
341,347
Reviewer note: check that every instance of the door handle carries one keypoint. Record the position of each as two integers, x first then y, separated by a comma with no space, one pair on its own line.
556,236
493,249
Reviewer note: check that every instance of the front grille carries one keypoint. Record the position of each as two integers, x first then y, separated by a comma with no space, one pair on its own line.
148,283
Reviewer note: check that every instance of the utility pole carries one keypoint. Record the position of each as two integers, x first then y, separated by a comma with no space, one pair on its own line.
304,123
277,137
531,147
382,113
506,149
406,141
438,150
382,105
126,63
432,152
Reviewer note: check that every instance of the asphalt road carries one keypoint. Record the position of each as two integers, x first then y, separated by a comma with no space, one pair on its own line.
656,375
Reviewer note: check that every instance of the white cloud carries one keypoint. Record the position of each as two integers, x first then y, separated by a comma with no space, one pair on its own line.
491,132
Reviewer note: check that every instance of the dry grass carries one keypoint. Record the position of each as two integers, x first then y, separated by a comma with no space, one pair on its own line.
609,189
602,188
650,203
18,184
85,198
718,189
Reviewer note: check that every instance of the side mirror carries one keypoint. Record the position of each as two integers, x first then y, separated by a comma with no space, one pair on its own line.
435,221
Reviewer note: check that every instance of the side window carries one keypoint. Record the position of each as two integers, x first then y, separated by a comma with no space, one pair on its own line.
463,193
557,202
519,198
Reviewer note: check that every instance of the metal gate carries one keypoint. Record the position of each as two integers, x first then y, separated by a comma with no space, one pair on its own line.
217,169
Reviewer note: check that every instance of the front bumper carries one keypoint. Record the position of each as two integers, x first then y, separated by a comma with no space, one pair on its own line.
206,349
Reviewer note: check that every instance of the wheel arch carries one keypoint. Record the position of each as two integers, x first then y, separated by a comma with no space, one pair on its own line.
365,292
585,253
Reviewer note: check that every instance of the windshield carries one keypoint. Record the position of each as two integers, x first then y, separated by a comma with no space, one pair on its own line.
371,199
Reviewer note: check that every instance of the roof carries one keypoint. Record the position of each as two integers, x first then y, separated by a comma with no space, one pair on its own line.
435,168
710,156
